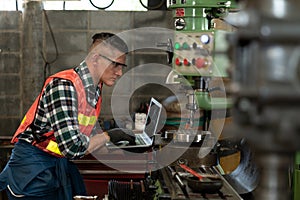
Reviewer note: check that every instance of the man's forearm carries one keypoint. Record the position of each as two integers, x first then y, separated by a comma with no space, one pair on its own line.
97,141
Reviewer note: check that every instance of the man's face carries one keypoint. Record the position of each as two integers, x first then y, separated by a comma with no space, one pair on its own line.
112,63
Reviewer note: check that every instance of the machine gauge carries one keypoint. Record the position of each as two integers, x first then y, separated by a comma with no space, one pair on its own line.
204,39
179,23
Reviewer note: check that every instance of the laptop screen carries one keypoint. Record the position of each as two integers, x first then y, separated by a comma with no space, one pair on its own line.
152,118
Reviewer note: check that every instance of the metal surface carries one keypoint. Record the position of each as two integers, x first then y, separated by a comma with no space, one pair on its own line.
208,186
245,177
188,136
179,181
174,192
202,184
189,155
266,56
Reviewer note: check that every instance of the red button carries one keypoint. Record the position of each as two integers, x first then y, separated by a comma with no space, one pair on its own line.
200,62
186,62
177,61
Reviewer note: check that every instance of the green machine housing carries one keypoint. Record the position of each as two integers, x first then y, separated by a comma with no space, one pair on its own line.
199,47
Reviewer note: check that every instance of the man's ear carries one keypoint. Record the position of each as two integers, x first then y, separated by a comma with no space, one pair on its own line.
94,58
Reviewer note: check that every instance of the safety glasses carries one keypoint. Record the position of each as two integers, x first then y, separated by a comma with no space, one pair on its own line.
114,63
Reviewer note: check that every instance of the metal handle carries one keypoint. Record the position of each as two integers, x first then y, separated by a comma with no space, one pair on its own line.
186,168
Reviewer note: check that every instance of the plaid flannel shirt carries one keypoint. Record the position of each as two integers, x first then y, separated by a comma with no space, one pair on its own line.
57,110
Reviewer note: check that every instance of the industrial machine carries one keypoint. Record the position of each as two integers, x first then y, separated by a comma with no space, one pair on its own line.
200,64
198,53
199,61
265,85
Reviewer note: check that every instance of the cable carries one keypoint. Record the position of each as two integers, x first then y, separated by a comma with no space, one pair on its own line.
47,63
102,8
17,6
153,7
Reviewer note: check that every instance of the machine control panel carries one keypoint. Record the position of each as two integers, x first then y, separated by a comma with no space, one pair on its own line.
194,54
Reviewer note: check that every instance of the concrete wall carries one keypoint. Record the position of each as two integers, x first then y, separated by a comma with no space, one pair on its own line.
10,70
25,38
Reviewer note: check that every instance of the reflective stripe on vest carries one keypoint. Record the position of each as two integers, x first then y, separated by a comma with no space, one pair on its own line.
87,115
86,120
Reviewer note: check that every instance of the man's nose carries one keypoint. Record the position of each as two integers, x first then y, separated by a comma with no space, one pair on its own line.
119,71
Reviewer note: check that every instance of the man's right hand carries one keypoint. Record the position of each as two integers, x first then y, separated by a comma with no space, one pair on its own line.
119,134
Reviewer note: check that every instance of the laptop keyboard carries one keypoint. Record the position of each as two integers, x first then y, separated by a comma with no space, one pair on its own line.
139,139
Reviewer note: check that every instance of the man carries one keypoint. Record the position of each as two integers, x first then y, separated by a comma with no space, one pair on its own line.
62,124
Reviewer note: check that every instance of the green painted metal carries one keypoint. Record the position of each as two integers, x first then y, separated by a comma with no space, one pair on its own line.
194,18
195,12
206,102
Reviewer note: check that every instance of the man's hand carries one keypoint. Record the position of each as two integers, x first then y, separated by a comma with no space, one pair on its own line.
120,134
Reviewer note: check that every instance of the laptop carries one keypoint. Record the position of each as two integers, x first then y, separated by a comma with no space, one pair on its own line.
145,139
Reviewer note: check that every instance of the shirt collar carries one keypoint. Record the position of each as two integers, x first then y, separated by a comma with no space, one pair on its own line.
92,92
85,75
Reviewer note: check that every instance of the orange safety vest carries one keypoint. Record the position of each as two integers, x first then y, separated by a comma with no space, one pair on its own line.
87,115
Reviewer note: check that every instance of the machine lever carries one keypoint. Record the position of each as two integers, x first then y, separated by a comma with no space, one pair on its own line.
179,182
186,168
